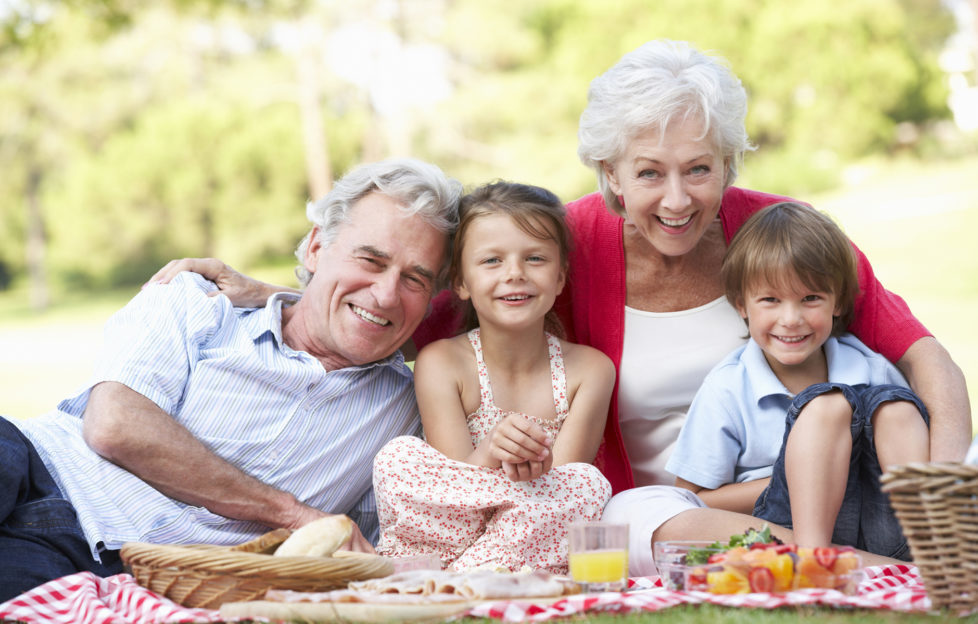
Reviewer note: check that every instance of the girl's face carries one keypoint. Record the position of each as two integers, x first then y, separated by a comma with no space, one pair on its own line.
671,184
511,277
789,322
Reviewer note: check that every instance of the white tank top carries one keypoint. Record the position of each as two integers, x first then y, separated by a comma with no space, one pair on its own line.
665,357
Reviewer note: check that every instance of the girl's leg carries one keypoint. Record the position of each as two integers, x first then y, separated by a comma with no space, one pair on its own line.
817,461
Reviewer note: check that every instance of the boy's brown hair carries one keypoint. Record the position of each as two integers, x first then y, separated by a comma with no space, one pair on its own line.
791,240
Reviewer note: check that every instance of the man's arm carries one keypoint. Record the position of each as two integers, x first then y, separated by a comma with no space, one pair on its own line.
133,432
941,385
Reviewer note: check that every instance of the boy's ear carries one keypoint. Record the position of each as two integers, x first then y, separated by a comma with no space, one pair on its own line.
741,309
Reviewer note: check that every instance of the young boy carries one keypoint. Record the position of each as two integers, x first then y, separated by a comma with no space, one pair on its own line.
791,273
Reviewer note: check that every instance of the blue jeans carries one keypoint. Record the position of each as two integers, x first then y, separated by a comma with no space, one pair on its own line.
40,538
866,519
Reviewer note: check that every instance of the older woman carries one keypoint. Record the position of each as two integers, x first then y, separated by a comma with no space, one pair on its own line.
664,132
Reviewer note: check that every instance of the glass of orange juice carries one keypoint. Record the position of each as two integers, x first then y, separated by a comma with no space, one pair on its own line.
597,553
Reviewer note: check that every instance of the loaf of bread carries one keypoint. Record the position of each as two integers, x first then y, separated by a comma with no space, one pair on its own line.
319,538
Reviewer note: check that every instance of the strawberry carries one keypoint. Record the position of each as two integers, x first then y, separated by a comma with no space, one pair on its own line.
716,557
826,556
785,548
760,546
761,580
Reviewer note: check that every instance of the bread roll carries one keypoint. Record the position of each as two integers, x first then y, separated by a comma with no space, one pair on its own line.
319,538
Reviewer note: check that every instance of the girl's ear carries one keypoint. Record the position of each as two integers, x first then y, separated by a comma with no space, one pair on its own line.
461,291
311,260
561,281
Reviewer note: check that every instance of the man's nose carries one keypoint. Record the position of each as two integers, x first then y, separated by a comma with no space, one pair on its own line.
386,289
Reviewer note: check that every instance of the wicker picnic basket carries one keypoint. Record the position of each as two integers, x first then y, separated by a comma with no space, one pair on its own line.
937,506
208,576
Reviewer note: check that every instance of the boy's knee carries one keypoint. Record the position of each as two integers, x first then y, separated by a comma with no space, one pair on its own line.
830,408
897,413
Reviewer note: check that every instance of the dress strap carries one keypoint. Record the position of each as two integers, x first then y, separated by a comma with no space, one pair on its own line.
558,377
485,387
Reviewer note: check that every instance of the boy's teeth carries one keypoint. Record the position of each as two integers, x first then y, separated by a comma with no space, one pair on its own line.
676,222
792,338
368,316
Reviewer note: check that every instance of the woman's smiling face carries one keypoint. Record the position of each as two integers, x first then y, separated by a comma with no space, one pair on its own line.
671,185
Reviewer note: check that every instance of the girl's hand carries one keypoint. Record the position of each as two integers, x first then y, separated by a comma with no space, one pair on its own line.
528,471
243,291
516,440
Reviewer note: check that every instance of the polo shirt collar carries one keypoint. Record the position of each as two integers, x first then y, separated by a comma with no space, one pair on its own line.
846,365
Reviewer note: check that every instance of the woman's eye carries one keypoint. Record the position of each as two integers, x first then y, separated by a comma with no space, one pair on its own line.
700,169
648,173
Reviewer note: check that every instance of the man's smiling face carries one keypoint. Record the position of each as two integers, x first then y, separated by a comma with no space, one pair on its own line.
370,287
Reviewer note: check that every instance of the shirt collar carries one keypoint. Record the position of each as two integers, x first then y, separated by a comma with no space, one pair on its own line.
842,366
269,319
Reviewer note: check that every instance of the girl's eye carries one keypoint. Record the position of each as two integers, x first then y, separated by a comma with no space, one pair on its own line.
812,298
491,261
536,259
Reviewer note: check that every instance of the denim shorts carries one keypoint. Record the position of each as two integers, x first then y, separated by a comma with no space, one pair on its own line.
866,519
40,538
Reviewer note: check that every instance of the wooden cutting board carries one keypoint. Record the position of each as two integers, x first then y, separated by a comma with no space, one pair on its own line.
378,613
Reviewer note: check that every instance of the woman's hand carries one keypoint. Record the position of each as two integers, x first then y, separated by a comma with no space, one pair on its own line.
243,291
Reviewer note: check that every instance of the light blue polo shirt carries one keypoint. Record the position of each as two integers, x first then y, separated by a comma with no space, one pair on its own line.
735,425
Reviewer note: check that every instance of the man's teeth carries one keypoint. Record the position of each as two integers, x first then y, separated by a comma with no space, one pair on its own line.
368,316
676,222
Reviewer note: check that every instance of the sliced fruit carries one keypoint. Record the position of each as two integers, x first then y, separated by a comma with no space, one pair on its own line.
826,556
761,580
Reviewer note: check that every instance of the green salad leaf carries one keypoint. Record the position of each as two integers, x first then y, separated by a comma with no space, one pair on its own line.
699,556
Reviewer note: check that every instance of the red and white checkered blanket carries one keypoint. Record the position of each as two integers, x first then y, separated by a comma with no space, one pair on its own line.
87,599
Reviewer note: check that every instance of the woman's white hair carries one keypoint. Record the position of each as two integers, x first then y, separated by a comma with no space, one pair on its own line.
661,82
421,188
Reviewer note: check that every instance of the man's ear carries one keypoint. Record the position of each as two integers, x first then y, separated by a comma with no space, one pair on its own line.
611,177
312,251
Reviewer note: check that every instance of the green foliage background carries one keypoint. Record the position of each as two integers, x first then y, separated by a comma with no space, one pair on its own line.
137,132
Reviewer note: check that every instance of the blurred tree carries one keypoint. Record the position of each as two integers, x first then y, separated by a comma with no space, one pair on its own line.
131,133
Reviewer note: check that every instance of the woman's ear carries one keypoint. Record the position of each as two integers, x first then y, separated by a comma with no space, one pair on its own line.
612,179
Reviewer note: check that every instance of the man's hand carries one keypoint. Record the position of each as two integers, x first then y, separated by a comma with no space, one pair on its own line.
242,290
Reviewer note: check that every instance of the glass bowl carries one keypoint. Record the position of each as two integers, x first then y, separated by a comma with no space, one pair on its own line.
702,566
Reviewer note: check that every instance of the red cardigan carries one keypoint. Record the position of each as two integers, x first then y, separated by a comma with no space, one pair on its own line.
592,305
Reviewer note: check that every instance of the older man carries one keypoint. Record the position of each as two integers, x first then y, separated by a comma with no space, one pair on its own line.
209,424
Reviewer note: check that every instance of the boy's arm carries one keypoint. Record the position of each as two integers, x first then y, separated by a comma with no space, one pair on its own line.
739,497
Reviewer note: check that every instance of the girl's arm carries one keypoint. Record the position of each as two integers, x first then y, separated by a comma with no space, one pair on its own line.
438,384
739,497
593,374
439,381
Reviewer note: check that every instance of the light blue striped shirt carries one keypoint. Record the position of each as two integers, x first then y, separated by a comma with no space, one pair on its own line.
225,375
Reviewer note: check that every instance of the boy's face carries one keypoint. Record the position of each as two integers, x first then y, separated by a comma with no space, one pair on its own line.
790,322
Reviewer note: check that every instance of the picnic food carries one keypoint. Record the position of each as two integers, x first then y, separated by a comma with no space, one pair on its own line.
756,562
598,566
319,538
415,594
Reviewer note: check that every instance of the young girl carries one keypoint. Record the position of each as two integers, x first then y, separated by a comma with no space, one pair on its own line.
495,485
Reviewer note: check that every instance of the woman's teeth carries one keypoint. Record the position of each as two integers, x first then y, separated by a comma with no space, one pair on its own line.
676,222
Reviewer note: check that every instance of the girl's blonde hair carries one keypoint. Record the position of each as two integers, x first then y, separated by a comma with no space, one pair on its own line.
535,210
790,240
